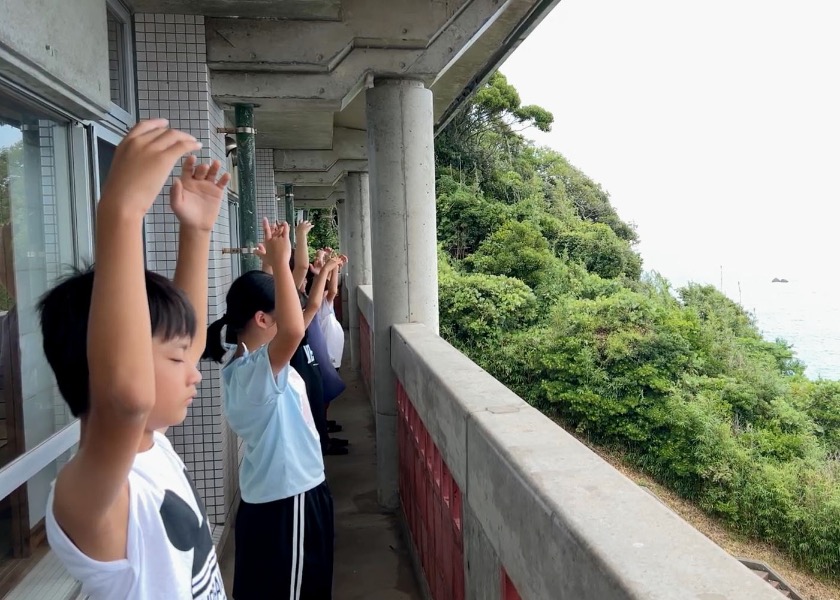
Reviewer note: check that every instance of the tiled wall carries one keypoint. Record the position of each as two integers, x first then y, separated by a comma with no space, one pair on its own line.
172,82
266,192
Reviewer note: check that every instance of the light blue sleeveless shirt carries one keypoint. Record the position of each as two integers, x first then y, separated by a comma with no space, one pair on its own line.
282,455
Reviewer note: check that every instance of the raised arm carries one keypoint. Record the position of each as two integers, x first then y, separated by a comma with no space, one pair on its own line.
290,328
316,294
332,284
301,252
91,496
260,249
196,198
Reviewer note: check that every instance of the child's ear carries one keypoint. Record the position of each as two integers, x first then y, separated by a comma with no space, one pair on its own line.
262,319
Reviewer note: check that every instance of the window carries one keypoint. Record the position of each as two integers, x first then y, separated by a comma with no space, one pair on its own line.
120,64
38,241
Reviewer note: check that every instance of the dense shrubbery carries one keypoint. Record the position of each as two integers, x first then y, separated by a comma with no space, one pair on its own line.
540,284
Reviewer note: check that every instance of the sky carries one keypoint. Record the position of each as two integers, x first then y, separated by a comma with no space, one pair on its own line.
714,126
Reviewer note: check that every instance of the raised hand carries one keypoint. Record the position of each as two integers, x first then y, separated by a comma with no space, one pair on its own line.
196,197
142,163
268,233
278,247
302,229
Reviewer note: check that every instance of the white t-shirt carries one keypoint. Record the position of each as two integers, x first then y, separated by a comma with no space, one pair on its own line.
332,330
169,553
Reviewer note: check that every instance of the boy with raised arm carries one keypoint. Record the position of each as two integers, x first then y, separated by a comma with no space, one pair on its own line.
123,517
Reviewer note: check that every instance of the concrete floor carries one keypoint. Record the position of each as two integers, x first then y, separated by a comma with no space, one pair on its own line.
371,558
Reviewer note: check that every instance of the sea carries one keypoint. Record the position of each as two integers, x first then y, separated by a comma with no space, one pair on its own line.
805,312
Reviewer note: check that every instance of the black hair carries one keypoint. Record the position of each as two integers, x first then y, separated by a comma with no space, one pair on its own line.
65,311
310,279
248,294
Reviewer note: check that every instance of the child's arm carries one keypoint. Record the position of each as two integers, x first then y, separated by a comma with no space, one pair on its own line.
91,493
260,249
332,288
316,296
290,328
301,252
196,198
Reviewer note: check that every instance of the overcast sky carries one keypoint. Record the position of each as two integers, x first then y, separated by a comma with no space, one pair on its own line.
714,125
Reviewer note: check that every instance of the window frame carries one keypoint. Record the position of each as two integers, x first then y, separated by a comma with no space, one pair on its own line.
31,462
118,116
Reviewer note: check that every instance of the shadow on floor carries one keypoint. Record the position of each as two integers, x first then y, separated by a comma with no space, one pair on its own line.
371,558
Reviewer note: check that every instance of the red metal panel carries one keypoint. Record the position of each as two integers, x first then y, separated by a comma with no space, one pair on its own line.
431,503
508,590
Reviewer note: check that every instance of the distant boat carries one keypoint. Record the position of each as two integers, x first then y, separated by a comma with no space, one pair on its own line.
777,280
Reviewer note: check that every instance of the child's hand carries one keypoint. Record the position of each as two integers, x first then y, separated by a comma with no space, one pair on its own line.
278,249
196,196
302,229
268,231
142,162
333,263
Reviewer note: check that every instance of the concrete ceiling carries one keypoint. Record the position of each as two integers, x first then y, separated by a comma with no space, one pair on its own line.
305,64
300,129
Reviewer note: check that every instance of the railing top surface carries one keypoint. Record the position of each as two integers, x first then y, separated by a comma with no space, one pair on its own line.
563,521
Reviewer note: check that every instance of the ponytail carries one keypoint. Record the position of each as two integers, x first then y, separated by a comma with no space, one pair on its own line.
249,294
214,349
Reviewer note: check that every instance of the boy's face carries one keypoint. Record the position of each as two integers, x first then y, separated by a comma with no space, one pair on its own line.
175,382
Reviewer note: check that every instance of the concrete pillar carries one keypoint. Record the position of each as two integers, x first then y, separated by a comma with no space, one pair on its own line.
341,210
403,235
357,227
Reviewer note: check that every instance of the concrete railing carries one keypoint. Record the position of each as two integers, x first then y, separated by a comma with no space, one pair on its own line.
533,512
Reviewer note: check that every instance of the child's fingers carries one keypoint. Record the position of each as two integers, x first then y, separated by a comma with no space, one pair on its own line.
180,147
189,166
144,127
266,229
223,181
213,170
201,171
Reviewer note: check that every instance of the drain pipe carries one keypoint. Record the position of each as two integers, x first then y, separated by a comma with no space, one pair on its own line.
247,167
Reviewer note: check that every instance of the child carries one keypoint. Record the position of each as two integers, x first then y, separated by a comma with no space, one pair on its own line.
284,526
312,361
123,516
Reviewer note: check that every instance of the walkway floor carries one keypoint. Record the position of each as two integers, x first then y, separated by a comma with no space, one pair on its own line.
371,559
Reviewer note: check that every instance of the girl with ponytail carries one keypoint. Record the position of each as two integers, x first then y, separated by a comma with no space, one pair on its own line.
286,504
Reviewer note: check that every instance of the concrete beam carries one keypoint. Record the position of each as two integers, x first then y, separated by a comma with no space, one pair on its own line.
330,177
479,60
333,82
311,10
311,46
347,144
315,196
39,51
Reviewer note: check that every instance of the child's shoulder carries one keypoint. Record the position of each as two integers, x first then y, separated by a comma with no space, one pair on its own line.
250,376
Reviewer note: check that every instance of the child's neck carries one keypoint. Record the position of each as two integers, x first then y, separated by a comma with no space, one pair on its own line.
147,441
254,339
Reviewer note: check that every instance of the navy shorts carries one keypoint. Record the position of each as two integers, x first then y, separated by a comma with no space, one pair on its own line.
284,548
